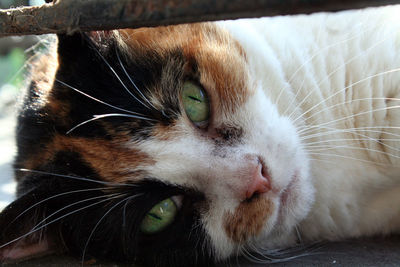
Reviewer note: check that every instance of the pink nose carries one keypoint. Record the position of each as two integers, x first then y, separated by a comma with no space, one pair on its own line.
259,182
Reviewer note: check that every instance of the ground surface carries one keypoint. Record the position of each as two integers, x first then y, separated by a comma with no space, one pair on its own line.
371,252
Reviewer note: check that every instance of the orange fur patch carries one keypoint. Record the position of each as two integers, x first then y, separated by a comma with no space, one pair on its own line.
219,58
110,160
248,219
164,132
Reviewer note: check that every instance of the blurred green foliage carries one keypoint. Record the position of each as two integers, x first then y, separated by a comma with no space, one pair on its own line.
12,68
12,64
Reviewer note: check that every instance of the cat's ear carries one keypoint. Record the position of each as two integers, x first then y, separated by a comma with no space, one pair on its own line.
82,44
73,48
81,53
21,234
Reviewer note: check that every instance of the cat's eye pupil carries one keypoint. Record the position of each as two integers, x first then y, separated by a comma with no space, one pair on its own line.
195,102
159,217
194,98
154,216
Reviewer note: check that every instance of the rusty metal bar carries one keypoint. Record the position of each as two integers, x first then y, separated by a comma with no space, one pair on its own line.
66,16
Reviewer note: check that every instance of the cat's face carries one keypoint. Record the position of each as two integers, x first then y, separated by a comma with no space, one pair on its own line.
207,147
243,140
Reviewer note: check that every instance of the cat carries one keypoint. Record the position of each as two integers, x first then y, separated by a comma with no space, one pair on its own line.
194,143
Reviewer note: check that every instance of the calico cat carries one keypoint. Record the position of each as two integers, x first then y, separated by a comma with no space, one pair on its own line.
191,144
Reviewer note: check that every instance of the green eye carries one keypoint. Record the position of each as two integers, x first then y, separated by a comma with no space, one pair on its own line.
159,217
195,102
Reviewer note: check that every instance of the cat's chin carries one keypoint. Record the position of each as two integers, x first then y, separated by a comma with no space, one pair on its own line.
293,204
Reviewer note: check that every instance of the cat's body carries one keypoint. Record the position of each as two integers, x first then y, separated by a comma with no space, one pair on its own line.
297,139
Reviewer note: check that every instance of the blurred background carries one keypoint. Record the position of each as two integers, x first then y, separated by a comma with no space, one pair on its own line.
15,55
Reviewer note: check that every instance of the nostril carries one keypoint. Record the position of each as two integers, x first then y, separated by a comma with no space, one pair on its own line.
264,169
259,182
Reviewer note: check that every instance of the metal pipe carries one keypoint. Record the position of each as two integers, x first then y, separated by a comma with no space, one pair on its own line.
66,16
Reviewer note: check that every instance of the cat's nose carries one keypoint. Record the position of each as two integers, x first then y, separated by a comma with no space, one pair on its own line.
259,181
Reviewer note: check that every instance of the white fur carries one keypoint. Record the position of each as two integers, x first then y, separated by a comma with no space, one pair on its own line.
357,190
306,72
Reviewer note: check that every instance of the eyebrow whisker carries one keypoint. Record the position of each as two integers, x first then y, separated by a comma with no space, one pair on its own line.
115,73
101,116
95,99
133,83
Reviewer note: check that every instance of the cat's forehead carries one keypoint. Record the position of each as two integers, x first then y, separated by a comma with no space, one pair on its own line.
218,59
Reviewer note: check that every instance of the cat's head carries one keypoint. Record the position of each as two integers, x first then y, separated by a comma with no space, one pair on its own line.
194,162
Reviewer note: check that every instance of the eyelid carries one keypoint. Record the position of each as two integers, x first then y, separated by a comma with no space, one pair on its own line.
178,200
202,124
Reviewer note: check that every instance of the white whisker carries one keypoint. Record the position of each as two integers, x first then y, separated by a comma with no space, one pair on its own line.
116,75
95,99
75,177
327,147
316,54
101,116
133,83
336,70
351,101
55,196
352,116
329,131
57,219
101,219
345,88
354,132
71,205
346,157
314,144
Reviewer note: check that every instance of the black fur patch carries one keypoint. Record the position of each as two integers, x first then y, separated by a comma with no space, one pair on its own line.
229,135
78,212
98,72
101,219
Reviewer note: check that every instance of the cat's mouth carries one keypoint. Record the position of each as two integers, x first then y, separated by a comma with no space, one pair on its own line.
288,190
287,194
262,212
